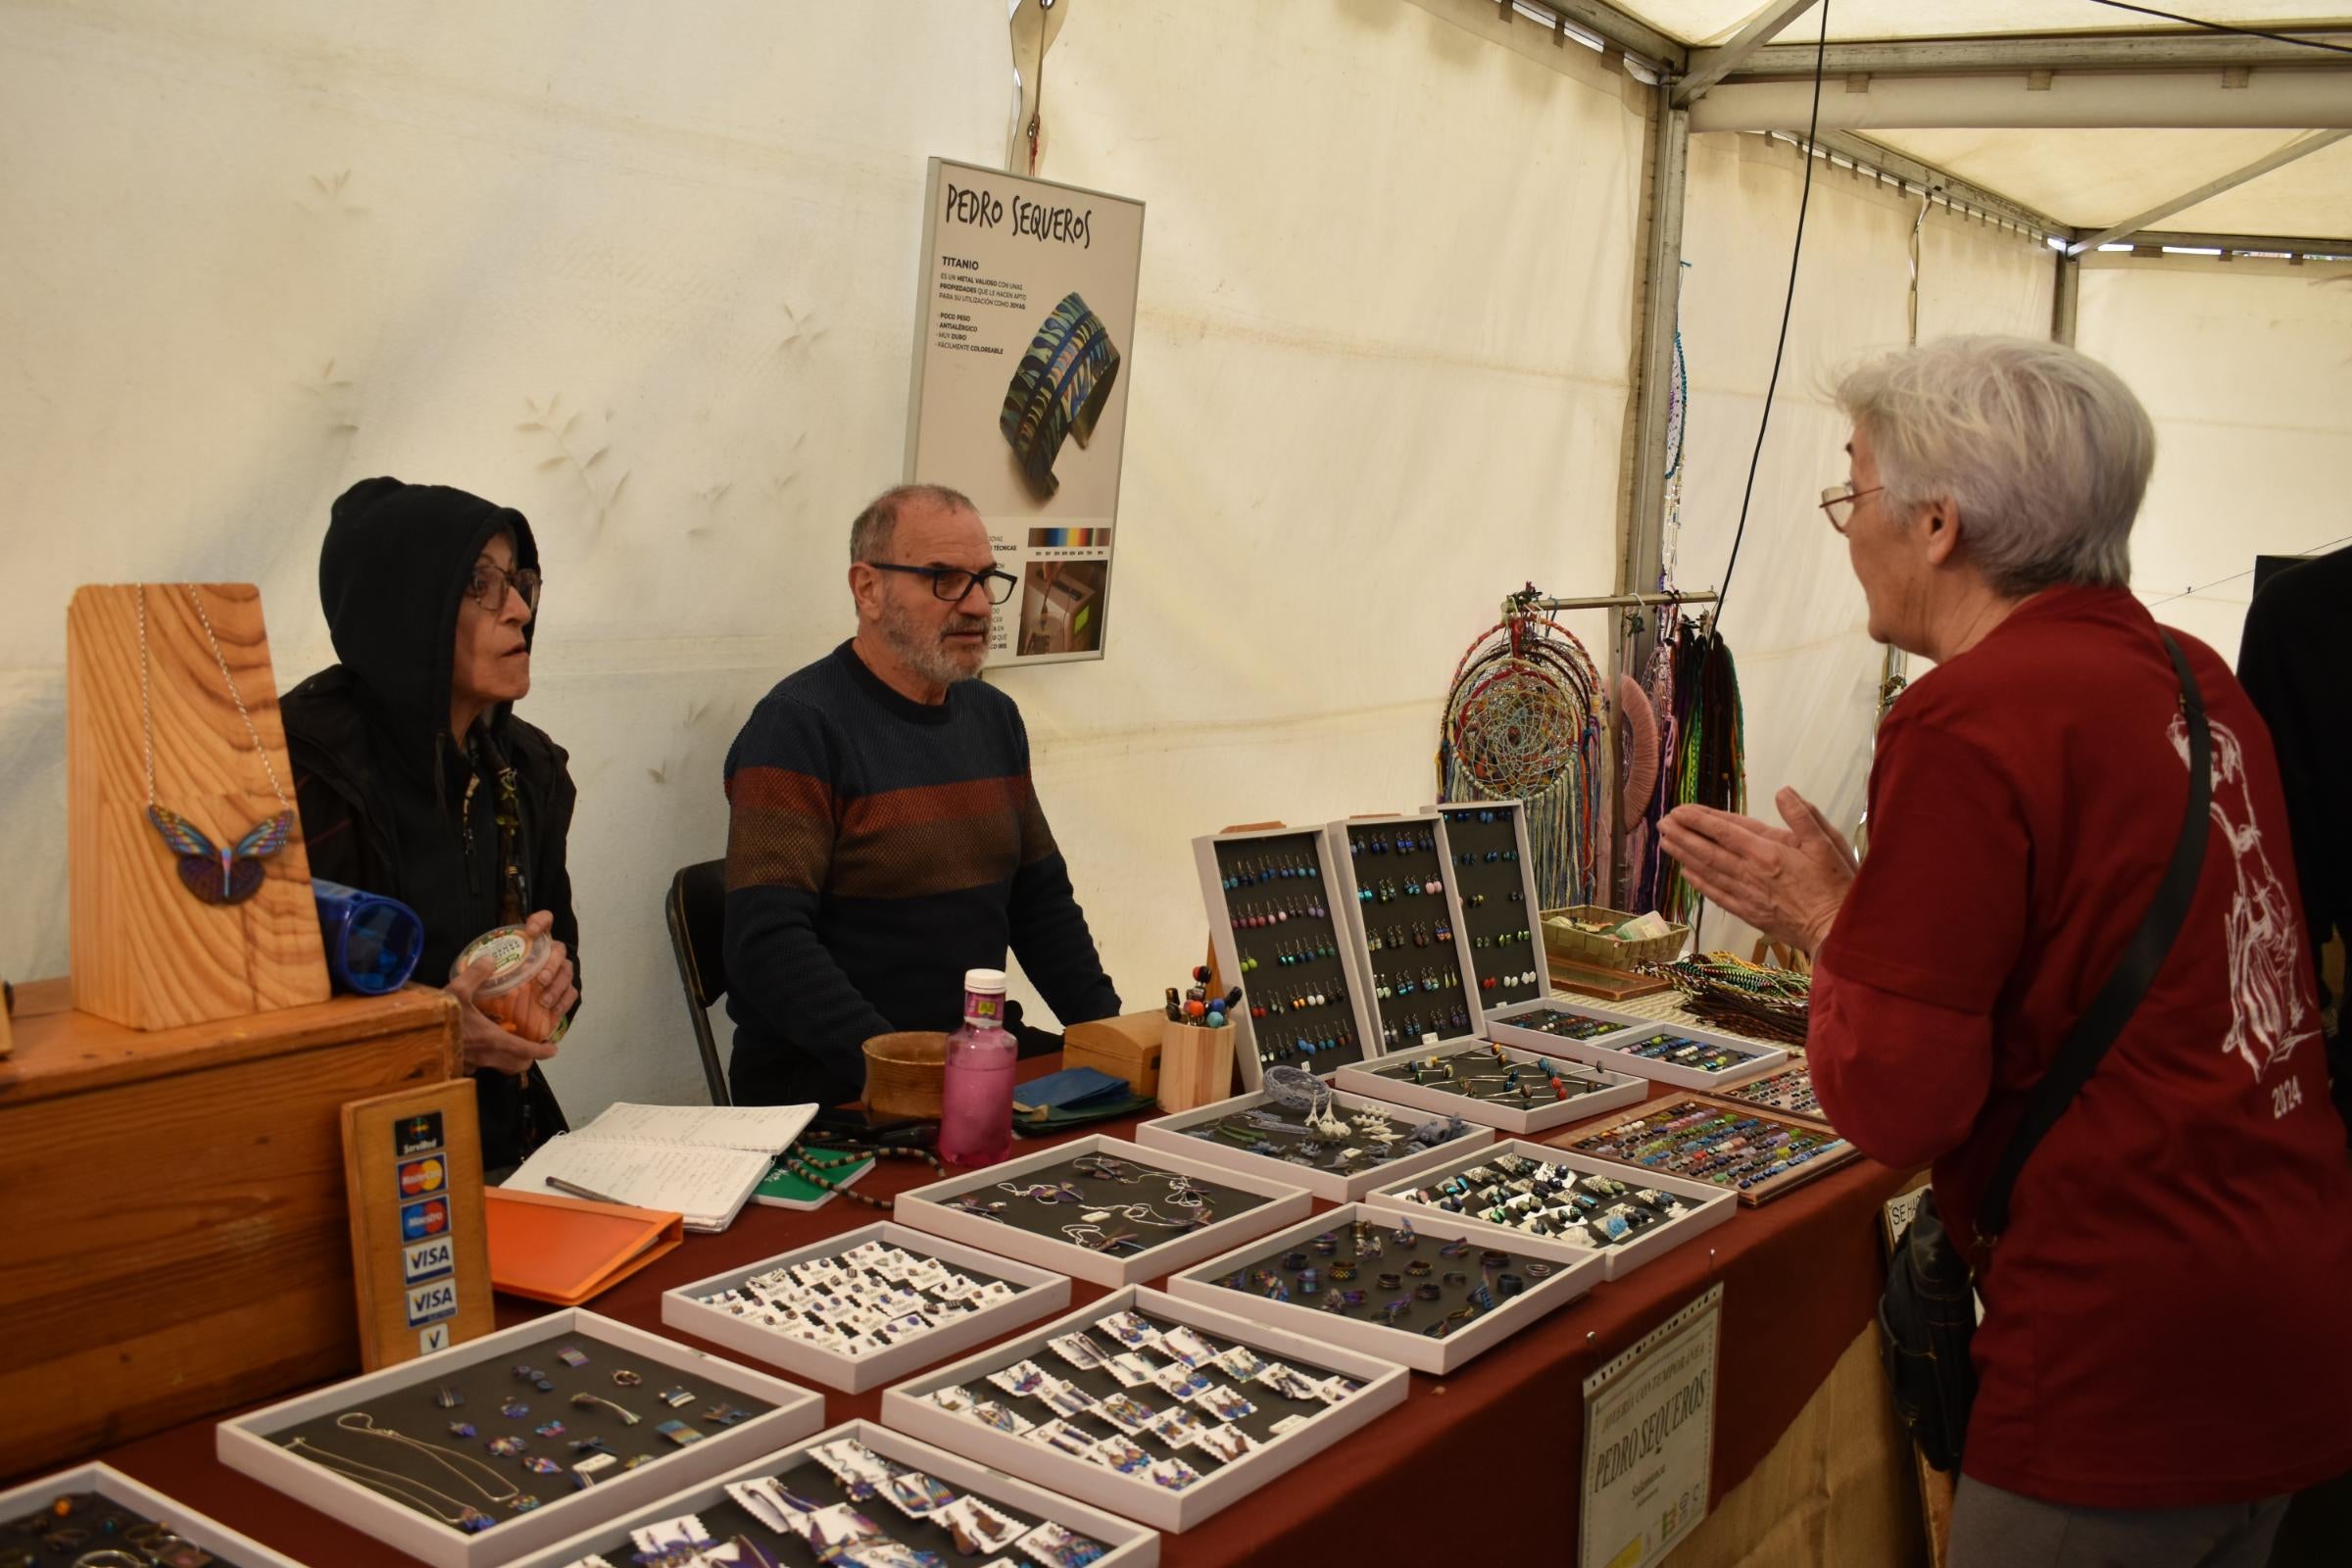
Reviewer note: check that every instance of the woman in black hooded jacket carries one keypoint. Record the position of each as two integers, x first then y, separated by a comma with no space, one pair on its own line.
414,778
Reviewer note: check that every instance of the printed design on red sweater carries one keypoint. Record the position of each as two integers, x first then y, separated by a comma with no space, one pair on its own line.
2268,1018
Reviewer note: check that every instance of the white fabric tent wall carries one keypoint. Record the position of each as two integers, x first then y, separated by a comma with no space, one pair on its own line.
1809,673
2243,366
249,255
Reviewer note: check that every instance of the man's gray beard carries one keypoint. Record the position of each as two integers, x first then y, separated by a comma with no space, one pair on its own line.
932,659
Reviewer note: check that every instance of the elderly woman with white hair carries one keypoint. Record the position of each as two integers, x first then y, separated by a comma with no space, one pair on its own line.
2165,1346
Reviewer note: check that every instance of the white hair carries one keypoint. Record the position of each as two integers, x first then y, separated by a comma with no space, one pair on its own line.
2043,452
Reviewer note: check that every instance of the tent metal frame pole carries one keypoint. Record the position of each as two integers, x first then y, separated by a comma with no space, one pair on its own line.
1876,157
2301,147
1710,66
2066,299
1549,603
2247,244
2022,53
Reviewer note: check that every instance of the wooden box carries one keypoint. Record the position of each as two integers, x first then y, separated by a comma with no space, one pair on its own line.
1126,1047
178,1237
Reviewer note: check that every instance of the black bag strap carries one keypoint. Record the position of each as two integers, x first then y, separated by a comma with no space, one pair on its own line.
2080,1052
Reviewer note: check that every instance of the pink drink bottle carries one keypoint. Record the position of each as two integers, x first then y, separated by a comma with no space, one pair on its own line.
975,1123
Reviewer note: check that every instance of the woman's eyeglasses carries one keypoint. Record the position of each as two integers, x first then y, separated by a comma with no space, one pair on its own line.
1838,503
490,582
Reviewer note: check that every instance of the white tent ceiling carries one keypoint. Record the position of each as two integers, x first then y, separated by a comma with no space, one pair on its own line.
1714,21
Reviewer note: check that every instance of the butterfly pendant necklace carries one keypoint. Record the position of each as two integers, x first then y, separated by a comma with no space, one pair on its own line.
214,875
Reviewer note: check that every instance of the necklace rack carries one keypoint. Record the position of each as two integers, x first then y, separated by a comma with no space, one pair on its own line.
212,875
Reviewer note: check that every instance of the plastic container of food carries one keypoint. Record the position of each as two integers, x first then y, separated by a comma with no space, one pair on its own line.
519,961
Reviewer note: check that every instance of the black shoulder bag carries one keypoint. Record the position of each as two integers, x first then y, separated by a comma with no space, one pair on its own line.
1927,1314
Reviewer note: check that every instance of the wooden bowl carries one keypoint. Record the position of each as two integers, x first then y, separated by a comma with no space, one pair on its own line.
905,1073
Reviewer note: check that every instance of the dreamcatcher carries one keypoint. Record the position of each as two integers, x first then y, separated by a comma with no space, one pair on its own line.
1523,721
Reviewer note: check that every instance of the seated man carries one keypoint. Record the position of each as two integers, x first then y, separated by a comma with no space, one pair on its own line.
883,836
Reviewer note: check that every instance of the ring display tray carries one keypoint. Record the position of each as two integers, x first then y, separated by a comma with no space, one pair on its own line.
801,1342
691,1415
1495,883
1374,1243
1168,1386
1494,1085
110,1508
1666,1053
1787,1092
1743,1149
1456,1183
1393,876
885,1488
1340,1180
1036,1230
1277,928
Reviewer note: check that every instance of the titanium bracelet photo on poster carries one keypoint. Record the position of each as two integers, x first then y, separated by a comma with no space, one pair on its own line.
987,1521
1277,929
1140,1398
1743,1148
1427,1289
741,1310
1395,878
1335,1144
1497,1086
1473,1187
1676,1054
103,1508
1495,884
418,1453
1103,1209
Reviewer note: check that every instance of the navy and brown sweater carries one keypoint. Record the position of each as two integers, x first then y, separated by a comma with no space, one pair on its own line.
878,848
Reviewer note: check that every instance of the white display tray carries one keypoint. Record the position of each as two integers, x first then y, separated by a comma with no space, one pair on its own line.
925,1208
244,1443
1457,952
1529,897
1715,1204
1038,1292
111,1484
1163,1134
906,1408
1599,1052
1227,950
1131,1546
1622,1090
1575,1270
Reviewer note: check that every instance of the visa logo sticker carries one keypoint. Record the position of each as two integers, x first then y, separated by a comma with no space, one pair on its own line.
421,1220
430,1303
433,1338
428,1260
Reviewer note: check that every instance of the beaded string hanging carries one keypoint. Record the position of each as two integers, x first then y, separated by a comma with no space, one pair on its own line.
1523,720
1694,693
1745,997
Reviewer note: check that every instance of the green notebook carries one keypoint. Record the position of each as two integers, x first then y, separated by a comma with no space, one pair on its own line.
784,1187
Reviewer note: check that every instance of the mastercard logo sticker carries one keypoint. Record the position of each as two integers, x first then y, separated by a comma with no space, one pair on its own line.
419,1220
421,1176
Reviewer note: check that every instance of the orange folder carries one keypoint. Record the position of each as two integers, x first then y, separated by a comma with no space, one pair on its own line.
566,1249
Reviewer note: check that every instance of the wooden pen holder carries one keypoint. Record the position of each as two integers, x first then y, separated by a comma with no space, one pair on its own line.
1196,1065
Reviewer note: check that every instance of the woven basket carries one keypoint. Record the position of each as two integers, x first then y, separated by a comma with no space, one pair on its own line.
1617,952
905,1073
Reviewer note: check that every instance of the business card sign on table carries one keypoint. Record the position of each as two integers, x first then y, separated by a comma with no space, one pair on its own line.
1649,1440
1025,325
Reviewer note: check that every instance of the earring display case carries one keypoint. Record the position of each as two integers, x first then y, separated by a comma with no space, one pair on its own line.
1786,1093
1336,1150
1103,1209
1493,875
496,1447
69,1517
1393,876
860,1492
1677,1055
1523,1189
1743,1148
1428,1290
1278,927
1494,1085
1163,1411
859,1311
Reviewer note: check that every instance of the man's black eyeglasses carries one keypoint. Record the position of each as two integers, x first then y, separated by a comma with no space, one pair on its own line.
952,584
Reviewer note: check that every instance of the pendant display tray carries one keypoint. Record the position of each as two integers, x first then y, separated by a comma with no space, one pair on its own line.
403,1398
1829,1150
228,1548
1614,1034
1478,829
1381,1387
1591,1091
1787,1092
1574,1271
1283,872
1128,1546
1168,1133
1038,1292
1714,1205
1363,854
1031,1231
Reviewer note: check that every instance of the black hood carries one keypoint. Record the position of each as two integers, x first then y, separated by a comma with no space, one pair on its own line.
391,577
